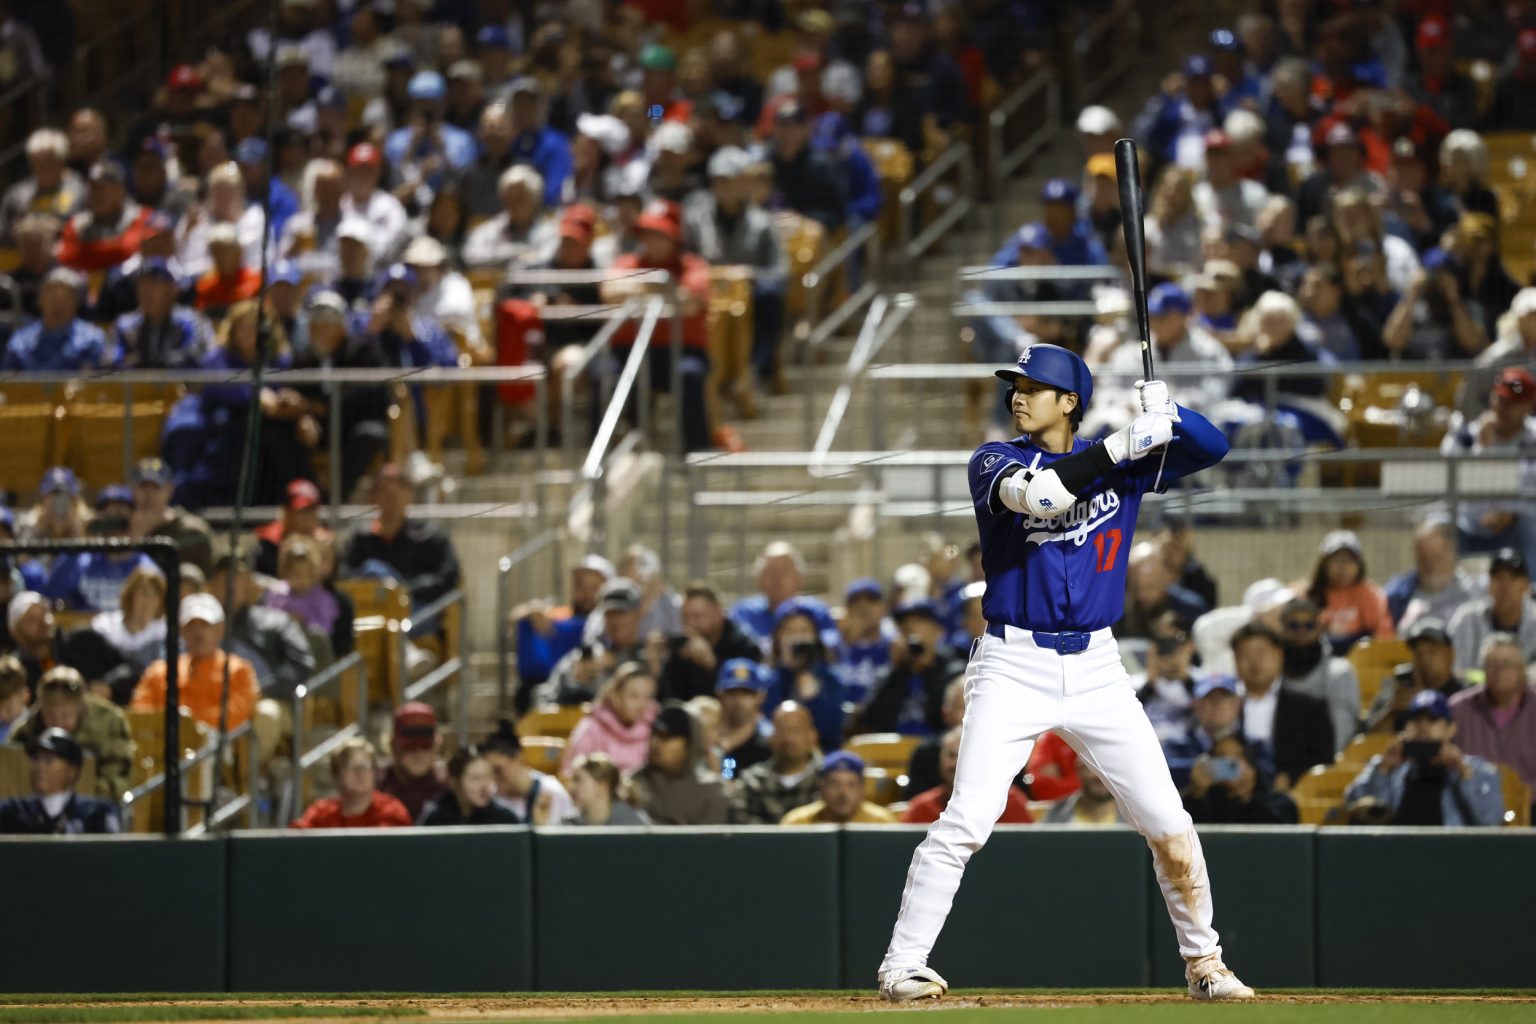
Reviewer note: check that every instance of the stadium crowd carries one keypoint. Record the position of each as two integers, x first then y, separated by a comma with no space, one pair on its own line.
1321,192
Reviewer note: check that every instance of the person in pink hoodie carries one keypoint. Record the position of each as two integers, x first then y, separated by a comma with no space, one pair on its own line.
620,722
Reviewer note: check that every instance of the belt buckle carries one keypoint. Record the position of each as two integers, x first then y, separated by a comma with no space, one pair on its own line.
1069,642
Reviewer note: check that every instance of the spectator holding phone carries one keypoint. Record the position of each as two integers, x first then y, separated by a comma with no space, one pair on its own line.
1226,788
1425,779
804,674
709,640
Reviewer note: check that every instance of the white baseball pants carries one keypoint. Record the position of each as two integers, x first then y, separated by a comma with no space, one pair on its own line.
1014,691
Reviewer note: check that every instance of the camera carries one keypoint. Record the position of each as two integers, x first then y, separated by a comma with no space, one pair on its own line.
1422,751
915,645
1226,769
803,651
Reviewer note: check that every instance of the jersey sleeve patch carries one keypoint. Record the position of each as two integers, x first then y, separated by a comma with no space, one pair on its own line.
989,466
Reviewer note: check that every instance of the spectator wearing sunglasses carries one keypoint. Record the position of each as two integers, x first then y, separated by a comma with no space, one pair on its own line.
1312,670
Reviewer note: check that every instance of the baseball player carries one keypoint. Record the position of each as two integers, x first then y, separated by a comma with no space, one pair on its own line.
1056,515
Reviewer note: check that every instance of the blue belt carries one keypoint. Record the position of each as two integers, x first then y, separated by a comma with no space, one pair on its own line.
1070,642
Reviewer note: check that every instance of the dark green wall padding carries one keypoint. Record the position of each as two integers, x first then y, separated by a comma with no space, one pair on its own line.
508,910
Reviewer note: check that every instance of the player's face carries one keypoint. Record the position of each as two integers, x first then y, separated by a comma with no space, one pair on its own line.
1038,406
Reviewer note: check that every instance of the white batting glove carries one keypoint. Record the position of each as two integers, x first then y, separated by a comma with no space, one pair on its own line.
1154,399
1139,438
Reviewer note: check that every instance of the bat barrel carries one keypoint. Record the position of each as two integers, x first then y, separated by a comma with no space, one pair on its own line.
1133,213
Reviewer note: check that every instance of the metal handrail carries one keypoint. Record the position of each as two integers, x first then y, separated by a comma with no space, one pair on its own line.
1003,165
878,329
592,466
526,551
820,328
457,664
304,759
599,344
156,782
973,371
957,155
1053,272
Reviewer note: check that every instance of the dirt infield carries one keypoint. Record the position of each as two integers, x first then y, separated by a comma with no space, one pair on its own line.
372,1009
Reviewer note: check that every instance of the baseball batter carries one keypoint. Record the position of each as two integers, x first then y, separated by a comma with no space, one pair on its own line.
1056,515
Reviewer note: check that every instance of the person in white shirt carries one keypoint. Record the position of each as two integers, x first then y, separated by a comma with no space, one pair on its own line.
537,797
445,296
384,213
1199,366
226,204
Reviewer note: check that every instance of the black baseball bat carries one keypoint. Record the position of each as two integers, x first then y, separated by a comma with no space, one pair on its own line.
1132,212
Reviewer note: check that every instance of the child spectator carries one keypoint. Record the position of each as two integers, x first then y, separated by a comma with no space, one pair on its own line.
358,802
1353,605
414,776
299,591
537,797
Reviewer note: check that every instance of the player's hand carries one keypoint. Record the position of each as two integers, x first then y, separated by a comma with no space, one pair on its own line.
1138,438
1155,400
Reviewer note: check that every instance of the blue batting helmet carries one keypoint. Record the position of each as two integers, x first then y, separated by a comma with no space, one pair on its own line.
1055,366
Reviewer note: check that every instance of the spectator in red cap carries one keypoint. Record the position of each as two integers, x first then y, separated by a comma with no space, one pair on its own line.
1224,198
1514,104
300,516
660,234
1448,92
1508,427
1515,346
380,209
358,802
108,230
414,776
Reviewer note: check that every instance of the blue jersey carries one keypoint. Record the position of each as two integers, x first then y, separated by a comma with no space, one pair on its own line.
1068,573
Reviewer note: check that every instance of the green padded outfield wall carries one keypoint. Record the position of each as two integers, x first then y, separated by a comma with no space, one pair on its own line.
407,910
113,914
1261,887
1039,906
687,908
1423,908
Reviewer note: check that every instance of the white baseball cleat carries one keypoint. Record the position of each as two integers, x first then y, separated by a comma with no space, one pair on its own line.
1209,978
904,984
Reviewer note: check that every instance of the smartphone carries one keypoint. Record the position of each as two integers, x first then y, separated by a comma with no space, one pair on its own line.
1422,751
915,645
1226,769
803,651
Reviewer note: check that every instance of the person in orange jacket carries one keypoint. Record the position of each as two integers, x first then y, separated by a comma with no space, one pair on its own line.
200,669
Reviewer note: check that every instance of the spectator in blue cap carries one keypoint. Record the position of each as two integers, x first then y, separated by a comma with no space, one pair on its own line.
840,788
159,333
804,673
93,580
59,339
425,151
1199,365
1173,122
1217,711
709,641
867,636
1000,338
251,158
119,292
909,693
1243,89
1424,778
741,687
1072,239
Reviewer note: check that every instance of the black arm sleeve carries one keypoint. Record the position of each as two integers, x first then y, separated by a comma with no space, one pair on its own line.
1080,470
